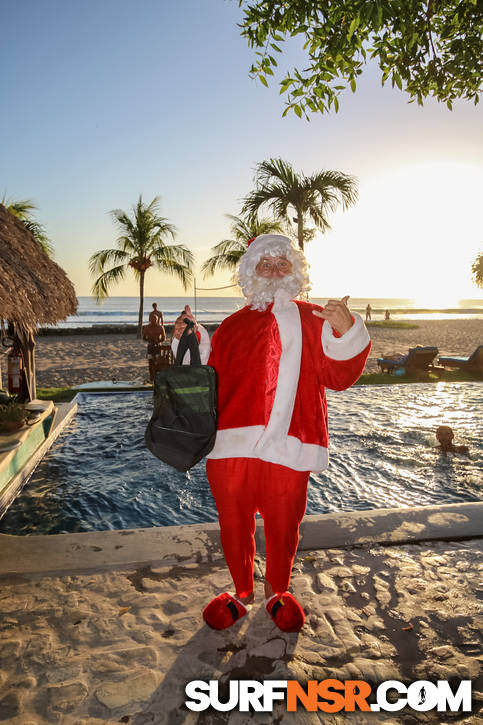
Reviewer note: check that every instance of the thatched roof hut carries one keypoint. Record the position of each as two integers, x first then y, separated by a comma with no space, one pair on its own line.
33,289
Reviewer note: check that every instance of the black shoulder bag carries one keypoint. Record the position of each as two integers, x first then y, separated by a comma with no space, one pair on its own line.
182,428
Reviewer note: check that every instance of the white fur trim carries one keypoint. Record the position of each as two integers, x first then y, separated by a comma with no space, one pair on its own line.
286,451
266,244
274,596
273,444
349,345
290,329
245,606
204,346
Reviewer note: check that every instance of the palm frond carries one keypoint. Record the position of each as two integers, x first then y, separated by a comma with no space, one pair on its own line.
276,169
21,208
175,259
99,260
174,252
227,255
228,252
140,244
228,261
280,188
39,233
477,270
342,187
100,288
271,195
177,269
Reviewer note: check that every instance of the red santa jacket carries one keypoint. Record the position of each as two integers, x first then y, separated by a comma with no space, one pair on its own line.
273,368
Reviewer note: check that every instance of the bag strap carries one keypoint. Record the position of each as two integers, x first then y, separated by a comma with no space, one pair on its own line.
188,341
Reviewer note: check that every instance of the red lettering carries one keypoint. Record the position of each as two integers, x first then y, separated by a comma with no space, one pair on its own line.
295,692
359,698
326,691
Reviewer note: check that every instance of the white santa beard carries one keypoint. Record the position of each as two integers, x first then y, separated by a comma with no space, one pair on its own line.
260,291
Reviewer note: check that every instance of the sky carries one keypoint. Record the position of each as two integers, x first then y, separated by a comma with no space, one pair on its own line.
105,100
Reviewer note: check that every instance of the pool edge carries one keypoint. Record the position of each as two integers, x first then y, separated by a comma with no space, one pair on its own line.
62,415
23,556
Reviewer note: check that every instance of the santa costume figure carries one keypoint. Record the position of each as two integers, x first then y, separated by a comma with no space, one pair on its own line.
274,358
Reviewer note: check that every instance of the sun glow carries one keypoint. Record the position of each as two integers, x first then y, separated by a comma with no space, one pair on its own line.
414,233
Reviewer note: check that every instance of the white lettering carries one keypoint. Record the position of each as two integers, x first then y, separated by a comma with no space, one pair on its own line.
232,699
250,693
381,696
422,695
271,694
199,701
460,700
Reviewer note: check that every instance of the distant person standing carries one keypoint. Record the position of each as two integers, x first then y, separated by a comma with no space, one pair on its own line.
387,315
156,316
201,335
155,335
368,312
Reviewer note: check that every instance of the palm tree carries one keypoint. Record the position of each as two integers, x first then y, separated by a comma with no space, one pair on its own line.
22,209
140,246
280,188
477,270
228,252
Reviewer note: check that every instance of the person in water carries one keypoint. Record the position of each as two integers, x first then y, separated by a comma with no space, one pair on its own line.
445,436
273,360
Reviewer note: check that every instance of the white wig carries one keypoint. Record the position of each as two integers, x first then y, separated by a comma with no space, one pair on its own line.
260,291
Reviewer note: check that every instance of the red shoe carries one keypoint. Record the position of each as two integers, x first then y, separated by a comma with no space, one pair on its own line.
286,612
223,611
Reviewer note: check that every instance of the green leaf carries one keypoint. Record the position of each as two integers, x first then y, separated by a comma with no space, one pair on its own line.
298,110
352,27
339,37
263,80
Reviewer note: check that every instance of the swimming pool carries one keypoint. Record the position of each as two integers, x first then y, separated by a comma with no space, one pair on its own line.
99,475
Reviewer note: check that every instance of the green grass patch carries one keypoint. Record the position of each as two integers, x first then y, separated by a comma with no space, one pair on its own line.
449,376
394,324
65,395
58,395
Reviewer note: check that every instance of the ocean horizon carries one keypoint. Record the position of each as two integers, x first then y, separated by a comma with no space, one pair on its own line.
124,310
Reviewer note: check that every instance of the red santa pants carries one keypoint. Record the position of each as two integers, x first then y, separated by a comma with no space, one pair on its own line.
243,486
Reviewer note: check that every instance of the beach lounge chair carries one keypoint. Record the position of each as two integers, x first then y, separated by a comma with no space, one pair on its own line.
418,359
473,363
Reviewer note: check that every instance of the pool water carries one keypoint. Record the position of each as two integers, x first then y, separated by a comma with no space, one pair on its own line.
99,474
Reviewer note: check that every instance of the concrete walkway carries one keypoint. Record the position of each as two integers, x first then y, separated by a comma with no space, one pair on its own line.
106,627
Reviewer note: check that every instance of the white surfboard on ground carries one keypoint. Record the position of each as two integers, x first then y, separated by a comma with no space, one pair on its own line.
113,385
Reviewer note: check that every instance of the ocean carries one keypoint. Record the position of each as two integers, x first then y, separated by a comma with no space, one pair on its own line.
99,474
124,310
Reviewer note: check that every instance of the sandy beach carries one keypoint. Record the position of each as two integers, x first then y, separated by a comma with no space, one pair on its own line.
69,360
106,627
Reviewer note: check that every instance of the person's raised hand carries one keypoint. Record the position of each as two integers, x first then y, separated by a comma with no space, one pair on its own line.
338,314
